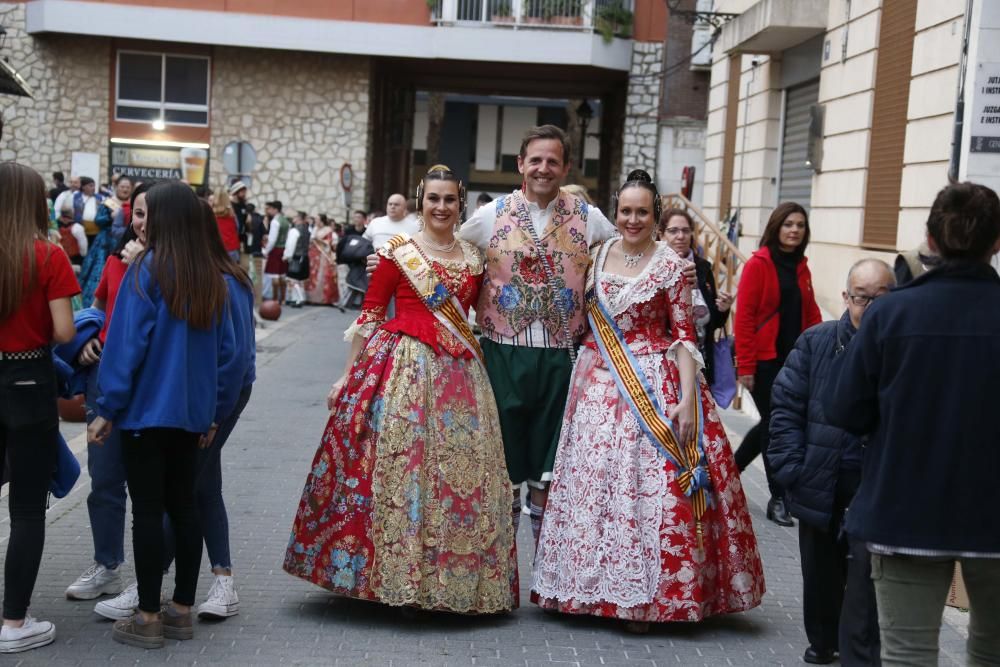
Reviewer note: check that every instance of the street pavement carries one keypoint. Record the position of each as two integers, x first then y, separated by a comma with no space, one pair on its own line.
284,620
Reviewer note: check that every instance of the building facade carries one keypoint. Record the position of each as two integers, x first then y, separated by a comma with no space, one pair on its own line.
161,88
850,108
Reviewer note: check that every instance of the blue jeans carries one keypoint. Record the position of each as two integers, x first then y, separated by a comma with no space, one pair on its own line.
106,501
208,492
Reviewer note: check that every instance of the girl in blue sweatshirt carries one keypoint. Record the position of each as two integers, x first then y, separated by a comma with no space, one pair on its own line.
223,600
170,372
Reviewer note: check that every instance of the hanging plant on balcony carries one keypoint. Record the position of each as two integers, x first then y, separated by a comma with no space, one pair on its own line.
501,11
614,19
435,8
563,12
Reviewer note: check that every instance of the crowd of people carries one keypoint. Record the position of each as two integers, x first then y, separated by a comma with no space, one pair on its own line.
593,384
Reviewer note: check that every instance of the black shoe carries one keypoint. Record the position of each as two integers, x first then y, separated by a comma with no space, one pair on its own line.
778,513
814,657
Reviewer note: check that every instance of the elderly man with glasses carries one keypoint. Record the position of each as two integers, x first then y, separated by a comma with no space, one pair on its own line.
820,466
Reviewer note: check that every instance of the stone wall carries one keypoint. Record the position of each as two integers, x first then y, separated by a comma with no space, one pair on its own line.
641,108
306,114
69,78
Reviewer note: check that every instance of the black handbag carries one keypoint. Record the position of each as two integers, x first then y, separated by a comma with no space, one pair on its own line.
298,267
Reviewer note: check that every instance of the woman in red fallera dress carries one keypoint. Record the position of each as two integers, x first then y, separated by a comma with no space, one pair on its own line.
408,499
620,537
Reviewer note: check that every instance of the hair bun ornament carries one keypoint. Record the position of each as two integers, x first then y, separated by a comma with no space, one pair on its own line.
639,175
439,167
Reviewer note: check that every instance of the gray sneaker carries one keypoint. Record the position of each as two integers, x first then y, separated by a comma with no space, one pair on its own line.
96,581
121,606
134,632
30,635
175,624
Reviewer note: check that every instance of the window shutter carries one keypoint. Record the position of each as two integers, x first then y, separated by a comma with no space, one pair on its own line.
892,92
796,177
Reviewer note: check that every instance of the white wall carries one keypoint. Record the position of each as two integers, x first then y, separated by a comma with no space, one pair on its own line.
486,138
421,121
681,145
516,121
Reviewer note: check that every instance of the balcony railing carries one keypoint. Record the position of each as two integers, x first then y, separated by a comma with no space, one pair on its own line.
611,18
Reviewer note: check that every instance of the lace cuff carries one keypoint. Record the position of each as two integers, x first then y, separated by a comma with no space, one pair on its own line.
366,324
699,361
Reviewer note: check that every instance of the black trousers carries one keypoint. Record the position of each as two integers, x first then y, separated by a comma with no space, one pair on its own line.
838,596
29,428
759,437
160,464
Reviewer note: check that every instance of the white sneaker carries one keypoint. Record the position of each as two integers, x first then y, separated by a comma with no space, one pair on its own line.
30,635
95,582
222,601
121,606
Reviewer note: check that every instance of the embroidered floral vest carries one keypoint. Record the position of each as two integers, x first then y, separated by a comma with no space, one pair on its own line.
515,290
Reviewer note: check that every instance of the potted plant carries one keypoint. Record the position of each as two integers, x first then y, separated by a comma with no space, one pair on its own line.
613,19
501,11
434,6
563,12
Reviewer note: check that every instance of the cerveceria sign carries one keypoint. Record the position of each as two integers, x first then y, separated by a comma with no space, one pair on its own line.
156,163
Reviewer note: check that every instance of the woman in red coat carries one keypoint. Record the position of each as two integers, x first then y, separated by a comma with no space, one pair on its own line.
776,304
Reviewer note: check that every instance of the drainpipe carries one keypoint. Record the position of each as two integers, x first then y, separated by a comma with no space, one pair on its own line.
956,141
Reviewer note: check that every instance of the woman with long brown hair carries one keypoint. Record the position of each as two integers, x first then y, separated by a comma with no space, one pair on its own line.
776,304
36,285
167,379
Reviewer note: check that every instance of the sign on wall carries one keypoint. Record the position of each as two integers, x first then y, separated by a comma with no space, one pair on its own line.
85,164
985,131
157,163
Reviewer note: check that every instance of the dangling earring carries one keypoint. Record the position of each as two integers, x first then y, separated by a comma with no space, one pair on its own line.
420,222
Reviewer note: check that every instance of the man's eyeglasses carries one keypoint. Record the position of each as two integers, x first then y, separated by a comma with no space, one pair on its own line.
862,300
678,231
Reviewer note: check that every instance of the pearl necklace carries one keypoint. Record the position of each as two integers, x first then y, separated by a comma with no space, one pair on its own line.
632,261
440,247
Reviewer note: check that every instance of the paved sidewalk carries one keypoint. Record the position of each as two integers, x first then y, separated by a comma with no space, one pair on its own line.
286,621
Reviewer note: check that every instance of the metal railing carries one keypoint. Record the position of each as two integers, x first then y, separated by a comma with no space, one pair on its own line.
609,17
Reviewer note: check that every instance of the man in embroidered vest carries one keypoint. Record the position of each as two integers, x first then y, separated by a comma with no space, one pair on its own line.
531,308
275,266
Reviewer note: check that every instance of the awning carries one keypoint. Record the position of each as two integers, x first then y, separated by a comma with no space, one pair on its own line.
12,83
771,26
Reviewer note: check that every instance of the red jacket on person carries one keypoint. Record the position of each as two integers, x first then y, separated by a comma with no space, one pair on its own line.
229,232
756,323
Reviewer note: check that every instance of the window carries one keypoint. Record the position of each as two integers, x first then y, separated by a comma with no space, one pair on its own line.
151,86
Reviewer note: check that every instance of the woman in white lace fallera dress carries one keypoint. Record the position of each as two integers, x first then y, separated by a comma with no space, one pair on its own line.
634,528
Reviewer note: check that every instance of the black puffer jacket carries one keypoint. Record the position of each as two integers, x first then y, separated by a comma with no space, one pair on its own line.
805,451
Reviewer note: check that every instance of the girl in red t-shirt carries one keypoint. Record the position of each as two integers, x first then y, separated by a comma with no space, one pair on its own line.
36,285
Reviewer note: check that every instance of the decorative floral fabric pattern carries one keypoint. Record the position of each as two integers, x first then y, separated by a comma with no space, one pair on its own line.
321,287
461,277
408,499
515,291
618,537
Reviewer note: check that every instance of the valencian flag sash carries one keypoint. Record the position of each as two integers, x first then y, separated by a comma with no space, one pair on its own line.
432,292
687,458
